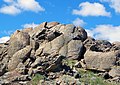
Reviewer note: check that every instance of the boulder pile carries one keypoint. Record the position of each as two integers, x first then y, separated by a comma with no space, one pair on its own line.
47,50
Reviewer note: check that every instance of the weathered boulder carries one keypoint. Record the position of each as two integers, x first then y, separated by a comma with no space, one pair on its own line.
13,78
89,42
18,41
68,39
115,72
103,45
99,60
18,57
2,69
8,77
75,49
116,46
48,63
37,30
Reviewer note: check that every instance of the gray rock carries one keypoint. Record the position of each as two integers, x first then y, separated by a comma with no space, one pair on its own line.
55,64
99,60
37,30
89,42
68,80
8,77
18,57
116,46
2,69
18,41
75,49
51,24
115,72
37,62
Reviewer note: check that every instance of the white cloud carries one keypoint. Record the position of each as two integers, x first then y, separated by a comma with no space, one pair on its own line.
33,25
115,4
91,9
90,32
79,22
12,10
106,32
4,39
14,7
30,5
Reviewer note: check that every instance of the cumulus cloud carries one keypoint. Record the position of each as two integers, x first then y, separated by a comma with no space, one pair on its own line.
4,39
115,4
33,25
12,10
105,32
14,7
30,5
91,9
79,22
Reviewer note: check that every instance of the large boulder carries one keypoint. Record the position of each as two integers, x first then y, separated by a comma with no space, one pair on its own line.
100,61
47,63
66,40
18,41
89,42
75,49
116,46
18,57
97,45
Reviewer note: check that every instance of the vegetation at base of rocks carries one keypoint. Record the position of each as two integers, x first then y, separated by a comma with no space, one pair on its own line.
70,62
88,77
91,78
35,80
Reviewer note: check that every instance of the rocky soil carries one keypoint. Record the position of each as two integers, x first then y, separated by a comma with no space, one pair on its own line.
58,54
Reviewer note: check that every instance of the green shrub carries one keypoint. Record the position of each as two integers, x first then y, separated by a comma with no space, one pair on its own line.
37,78
90,78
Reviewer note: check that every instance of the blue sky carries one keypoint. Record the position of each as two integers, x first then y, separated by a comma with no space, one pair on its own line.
100,18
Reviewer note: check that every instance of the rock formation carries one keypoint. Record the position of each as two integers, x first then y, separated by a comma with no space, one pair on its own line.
47,50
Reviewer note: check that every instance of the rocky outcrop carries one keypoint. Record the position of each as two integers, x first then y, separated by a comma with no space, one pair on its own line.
56,52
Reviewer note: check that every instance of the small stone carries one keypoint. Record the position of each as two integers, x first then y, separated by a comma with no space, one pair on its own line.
115,71
37,62
78,65
77,75
30,72
106,75
58,82
23,78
